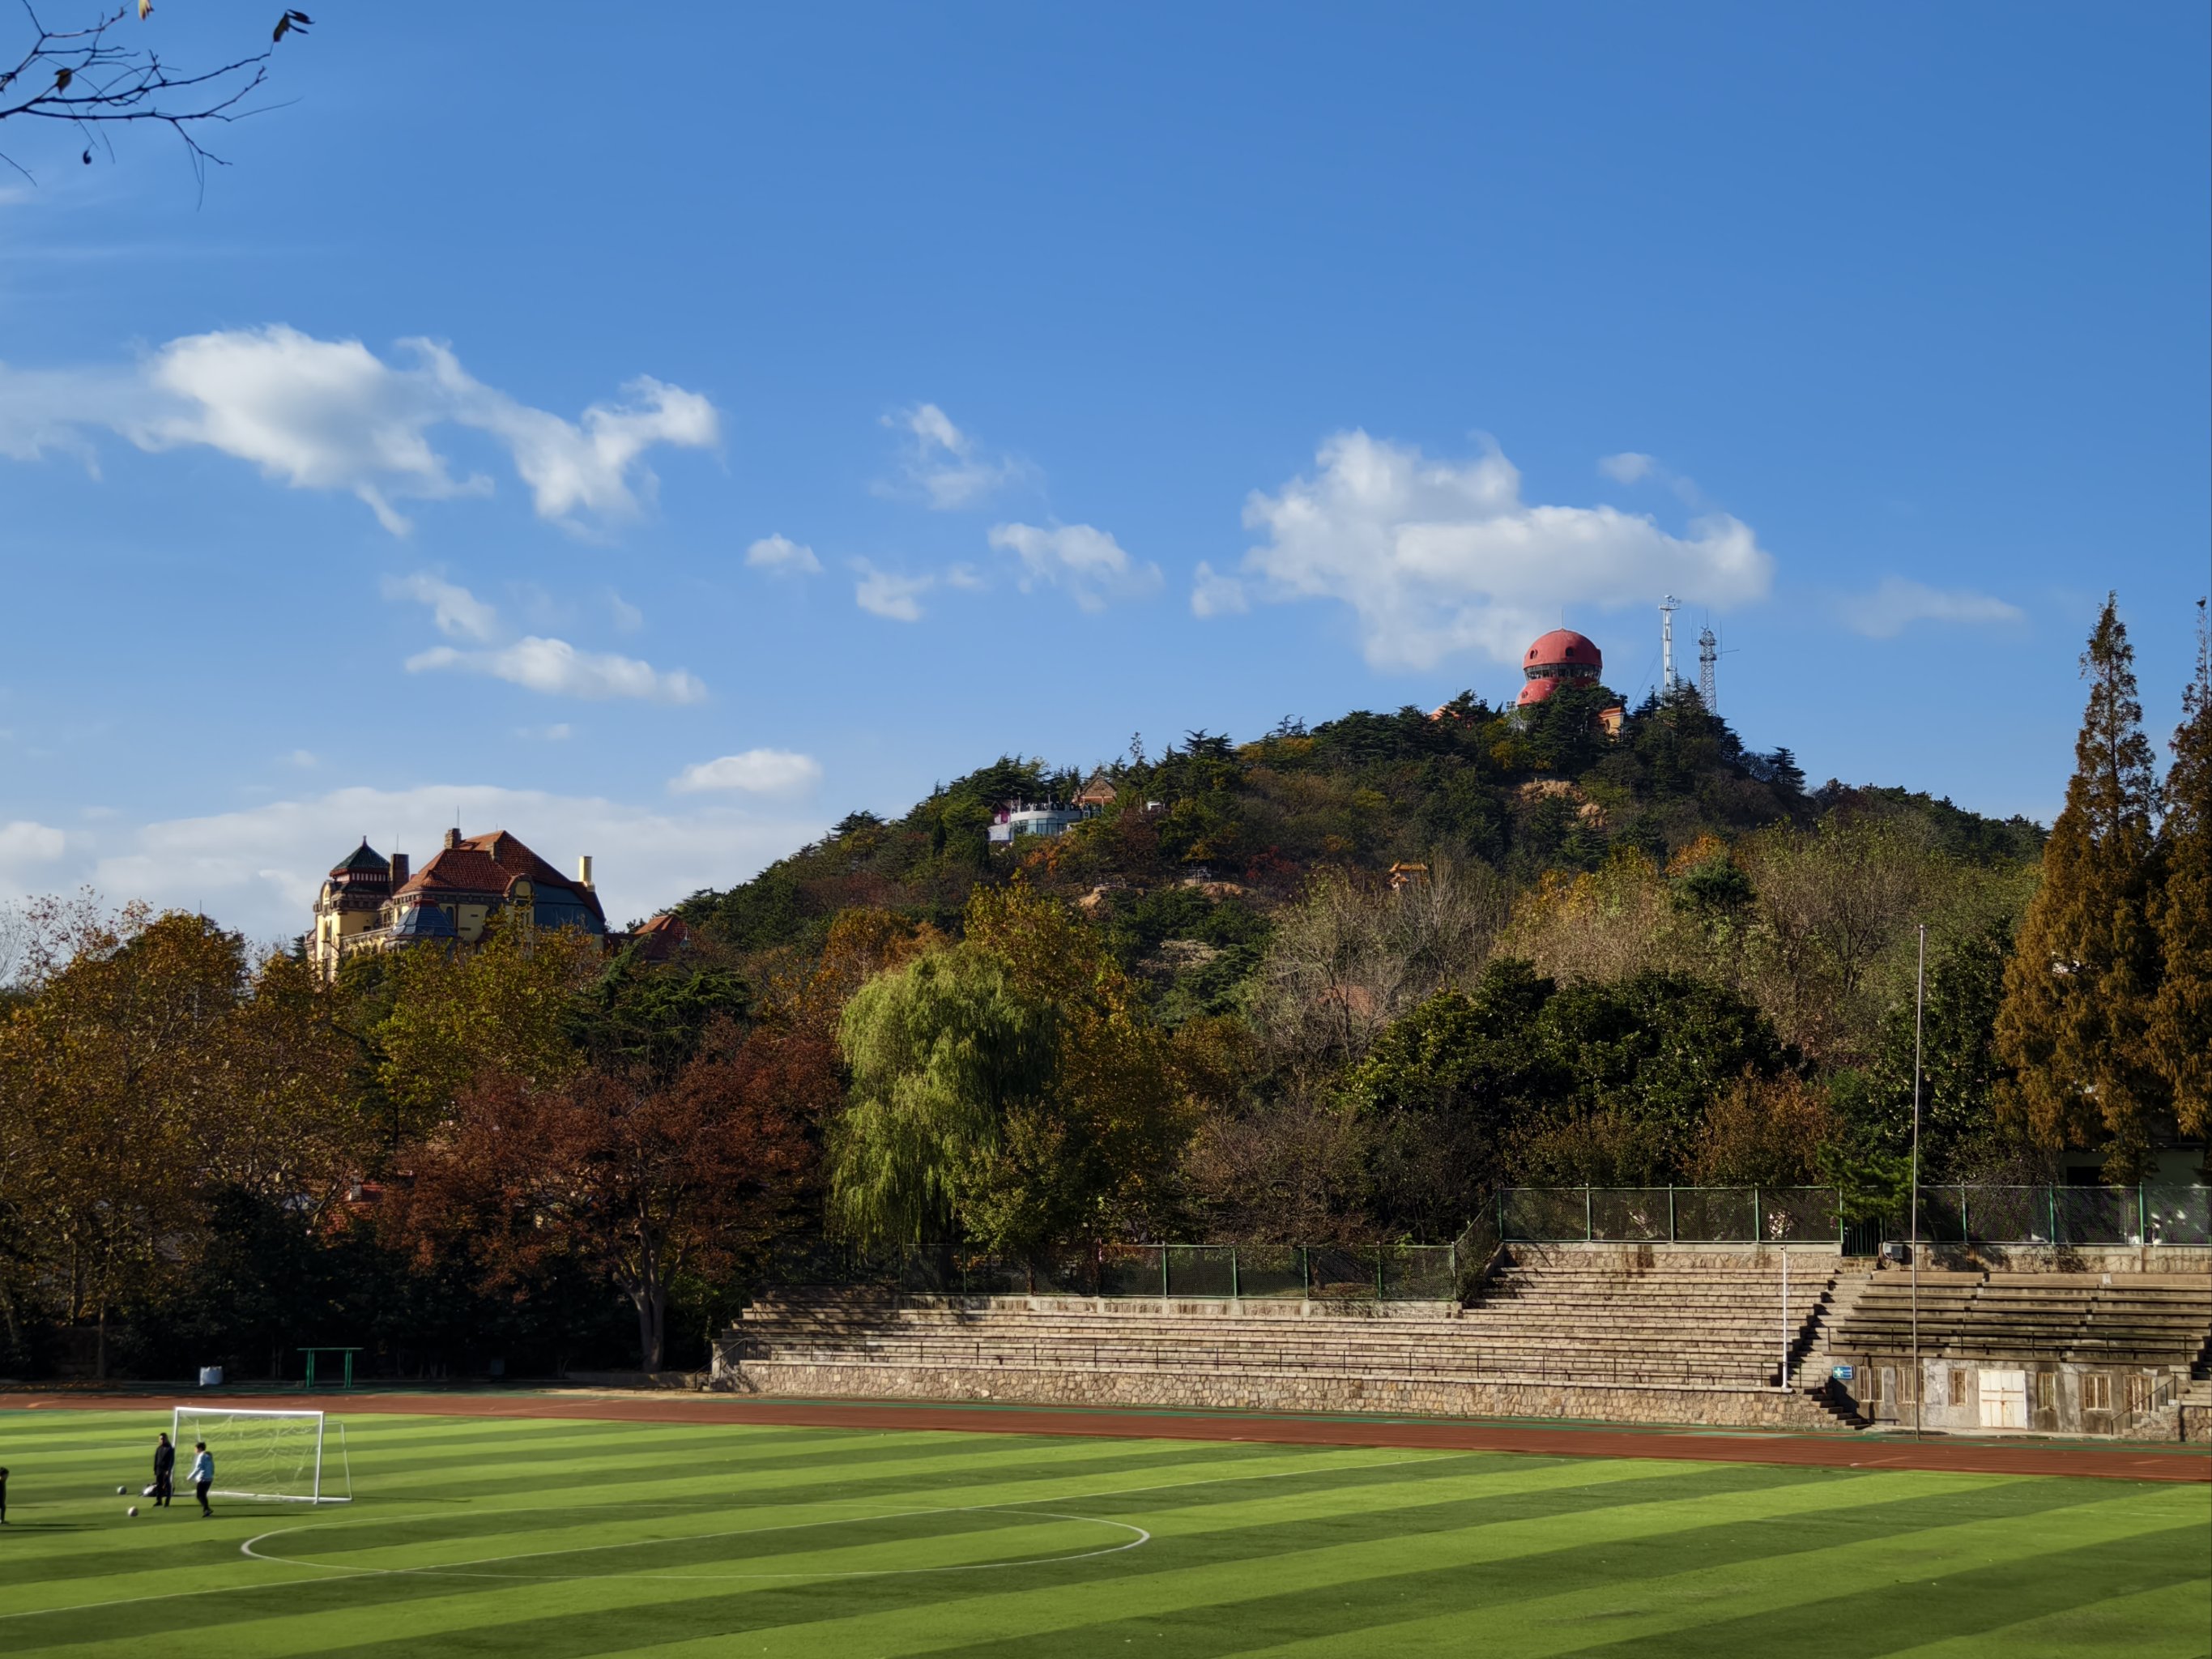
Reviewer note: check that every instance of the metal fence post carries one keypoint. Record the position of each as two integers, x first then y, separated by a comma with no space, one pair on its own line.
1670,1214
1164,1273
1236,1285
2142,1216
1965,1228
1589,1233
2051,1202
1757,1218
1305,1271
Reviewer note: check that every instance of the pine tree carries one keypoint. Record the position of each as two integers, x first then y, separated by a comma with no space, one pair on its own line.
2080,987
2181,1018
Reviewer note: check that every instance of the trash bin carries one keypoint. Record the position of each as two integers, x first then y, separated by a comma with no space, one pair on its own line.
210,1377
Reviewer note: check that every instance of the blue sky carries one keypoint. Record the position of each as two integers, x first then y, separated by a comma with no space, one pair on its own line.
1100,372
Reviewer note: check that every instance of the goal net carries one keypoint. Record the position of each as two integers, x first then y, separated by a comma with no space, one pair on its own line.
282,1455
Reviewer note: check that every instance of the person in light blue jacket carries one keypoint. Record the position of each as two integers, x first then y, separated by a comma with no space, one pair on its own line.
203,1474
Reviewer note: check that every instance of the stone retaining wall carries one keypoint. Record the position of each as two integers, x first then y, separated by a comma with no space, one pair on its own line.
1205,1387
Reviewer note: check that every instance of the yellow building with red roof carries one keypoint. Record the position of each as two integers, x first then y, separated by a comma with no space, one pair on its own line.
370,903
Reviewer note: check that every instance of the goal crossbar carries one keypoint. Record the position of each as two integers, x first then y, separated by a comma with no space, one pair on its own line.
272,1457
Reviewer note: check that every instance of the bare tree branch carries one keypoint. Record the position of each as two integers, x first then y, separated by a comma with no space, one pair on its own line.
93,79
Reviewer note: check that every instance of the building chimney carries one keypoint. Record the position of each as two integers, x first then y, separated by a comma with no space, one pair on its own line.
454,837
584,871
399,871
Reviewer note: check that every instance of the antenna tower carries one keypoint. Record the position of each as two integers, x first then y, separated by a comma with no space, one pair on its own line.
1668,606
1709,653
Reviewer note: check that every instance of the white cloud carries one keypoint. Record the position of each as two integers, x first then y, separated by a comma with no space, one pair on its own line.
23,844
459,614
258,869
1629,467
558,669
1212,594
305,759
886,593
536,662
966,577
626,616
946,466
1080,557
783,556
755,772
1897,603
332,414
1437,556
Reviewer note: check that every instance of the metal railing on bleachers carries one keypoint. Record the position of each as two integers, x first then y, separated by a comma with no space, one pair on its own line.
1950,1215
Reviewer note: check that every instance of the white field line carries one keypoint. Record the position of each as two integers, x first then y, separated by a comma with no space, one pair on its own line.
225,1589
464,1570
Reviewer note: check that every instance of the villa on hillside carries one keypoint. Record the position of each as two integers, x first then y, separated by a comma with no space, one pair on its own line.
1015,819
370,903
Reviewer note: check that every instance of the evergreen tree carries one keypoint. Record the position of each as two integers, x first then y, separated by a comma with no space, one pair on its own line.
2078,992
2181,1018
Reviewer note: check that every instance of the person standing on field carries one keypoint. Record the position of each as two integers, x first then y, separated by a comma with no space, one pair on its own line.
3,1497
165,1468
203,1474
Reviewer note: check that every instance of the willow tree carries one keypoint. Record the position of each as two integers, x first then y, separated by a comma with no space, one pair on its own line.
942,1053
2080,989
2181,1017
1012,1089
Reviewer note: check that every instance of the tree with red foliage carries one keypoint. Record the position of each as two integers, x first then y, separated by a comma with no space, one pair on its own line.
635,1176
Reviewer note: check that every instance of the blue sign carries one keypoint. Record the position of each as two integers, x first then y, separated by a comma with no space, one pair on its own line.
1841,1373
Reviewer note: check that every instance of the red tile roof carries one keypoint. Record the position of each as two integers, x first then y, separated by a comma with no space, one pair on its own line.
489,866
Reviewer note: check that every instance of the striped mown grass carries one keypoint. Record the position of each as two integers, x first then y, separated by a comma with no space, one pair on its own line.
551,1539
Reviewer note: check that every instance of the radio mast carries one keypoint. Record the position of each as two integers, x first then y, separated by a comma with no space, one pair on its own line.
1668,606
1709,653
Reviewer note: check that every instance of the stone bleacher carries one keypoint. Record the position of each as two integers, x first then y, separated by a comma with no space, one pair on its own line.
1563,1334
1672,1317
2146,1321
1568,1331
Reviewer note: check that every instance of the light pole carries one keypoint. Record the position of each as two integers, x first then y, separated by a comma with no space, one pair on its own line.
1919,1006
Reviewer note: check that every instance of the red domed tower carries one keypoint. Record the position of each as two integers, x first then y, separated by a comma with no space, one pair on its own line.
1559,658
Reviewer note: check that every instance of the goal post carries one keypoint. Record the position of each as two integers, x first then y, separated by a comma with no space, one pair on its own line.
277,1456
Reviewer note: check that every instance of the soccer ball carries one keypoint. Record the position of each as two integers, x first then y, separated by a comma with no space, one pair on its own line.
118,1492
132,1512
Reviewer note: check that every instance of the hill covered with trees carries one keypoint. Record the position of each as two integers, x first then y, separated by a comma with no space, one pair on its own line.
1208,849
1329,986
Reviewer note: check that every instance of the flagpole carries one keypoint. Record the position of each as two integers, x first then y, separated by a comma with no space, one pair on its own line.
1919,1006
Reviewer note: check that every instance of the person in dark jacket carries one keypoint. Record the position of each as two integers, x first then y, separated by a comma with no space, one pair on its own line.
165,1470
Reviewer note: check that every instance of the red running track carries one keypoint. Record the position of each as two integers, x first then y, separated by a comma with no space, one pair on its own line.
2115,1461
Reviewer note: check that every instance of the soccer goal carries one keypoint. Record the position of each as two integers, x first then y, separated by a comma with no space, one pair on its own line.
286,1456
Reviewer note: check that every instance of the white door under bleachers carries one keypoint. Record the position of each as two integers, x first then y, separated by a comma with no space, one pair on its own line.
2004,1400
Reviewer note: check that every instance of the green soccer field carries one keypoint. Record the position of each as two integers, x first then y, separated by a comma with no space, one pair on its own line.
553,1538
